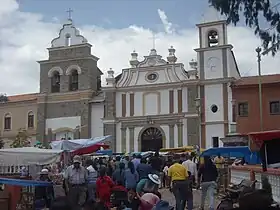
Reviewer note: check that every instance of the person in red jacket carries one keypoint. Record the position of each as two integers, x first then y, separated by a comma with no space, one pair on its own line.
104,185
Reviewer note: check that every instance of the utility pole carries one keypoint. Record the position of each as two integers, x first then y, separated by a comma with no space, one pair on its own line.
258,50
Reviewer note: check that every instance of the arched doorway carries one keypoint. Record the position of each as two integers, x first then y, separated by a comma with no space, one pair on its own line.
151,139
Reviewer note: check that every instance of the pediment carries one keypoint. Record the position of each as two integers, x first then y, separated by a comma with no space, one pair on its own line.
152,60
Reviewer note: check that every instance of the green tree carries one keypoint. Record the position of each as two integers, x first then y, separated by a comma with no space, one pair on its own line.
21,140
254,11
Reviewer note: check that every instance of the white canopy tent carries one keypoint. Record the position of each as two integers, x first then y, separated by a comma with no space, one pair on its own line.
75,144
29,156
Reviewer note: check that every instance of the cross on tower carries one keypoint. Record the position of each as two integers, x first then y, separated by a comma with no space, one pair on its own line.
69,11
154,40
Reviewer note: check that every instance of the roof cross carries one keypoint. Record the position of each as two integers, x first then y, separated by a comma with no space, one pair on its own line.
154,40
69,11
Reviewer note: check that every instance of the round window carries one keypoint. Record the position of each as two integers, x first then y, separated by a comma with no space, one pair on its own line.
214,108
152,76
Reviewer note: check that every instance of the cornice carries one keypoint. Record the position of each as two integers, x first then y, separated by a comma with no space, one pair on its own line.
214,48
92,57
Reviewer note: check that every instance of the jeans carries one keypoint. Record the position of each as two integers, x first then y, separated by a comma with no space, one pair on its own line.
210,188
183,194
91,188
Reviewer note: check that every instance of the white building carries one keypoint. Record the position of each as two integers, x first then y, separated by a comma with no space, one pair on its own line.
158,103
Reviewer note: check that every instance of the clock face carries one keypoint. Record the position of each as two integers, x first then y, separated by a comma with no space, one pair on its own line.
213,64
152,76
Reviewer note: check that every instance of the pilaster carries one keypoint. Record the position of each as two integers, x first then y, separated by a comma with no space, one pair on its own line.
171,135
131,139
123,140
180,134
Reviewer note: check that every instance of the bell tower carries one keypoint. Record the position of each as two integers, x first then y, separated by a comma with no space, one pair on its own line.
216,69
69,78
212,34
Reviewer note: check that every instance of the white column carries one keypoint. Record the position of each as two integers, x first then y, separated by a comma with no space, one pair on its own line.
136,138
118,138
175,136
185,99
127,104
166,131
185,132
175,101
127,140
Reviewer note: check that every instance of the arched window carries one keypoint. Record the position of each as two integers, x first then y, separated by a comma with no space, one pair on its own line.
55,82
7,122
30,120
213,38
74,80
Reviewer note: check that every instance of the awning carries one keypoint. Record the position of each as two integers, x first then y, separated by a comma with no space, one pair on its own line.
260,137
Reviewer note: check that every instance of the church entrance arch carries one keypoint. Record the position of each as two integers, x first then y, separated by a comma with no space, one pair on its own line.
151,139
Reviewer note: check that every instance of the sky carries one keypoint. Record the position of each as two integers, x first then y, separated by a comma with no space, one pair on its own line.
115,28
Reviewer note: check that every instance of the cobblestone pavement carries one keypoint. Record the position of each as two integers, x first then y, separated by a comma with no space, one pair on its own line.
168,196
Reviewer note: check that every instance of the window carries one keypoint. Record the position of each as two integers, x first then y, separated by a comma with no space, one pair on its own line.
7,122
274,107
243,109
215,141
74,80
55,82
30,120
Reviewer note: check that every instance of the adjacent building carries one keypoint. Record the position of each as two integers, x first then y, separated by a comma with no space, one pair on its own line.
246,103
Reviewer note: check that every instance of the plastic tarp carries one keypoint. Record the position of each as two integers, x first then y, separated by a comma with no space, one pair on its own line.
29,156
71,145
25,183
237,152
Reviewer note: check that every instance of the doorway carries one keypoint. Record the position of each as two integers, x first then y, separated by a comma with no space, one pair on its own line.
151,139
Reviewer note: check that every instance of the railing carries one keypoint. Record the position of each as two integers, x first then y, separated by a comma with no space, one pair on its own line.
238,173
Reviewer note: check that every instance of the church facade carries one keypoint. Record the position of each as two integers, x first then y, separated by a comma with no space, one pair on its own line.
158,103
155,103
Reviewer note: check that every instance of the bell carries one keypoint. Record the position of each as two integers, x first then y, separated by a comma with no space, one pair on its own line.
213,40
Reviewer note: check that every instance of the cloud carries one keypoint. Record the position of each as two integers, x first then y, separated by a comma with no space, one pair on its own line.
24,38
164,19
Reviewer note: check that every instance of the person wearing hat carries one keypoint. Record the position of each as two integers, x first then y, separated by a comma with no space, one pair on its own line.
148,185
44,195
76,177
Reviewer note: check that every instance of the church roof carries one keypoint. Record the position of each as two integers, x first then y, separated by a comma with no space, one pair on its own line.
22,97
254,80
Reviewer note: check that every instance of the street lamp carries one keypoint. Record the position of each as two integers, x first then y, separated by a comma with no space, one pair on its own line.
258,50
259,54
197,105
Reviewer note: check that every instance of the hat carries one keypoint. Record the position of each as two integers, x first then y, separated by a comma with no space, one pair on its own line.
44,172
149,200
154,178
77,159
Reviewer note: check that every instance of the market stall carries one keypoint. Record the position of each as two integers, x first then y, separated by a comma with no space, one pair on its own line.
82,146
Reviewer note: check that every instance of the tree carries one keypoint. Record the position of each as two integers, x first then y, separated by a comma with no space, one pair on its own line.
253,11
21,140
3,98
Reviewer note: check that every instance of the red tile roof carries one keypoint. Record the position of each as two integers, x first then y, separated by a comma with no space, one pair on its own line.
23,97
254,80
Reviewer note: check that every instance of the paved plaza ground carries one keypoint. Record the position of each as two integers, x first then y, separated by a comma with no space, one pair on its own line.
168,196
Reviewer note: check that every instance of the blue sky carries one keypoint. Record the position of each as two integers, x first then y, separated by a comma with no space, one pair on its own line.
119,13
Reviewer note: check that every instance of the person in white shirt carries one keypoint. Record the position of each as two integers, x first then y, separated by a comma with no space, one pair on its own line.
191,167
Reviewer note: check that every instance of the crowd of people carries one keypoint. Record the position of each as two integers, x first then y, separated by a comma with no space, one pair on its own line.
134,182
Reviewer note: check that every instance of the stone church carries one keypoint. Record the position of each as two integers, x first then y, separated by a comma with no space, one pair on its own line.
155,103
